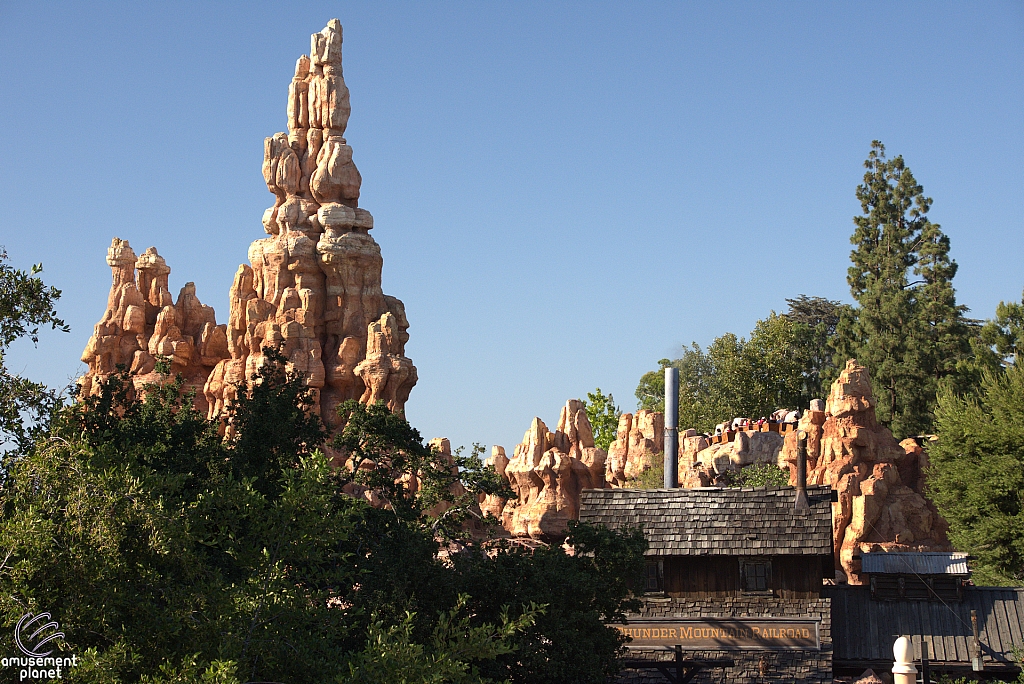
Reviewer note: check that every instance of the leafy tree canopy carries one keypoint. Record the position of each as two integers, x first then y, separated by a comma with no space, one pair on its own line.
1005,333
604,417
778,366
26,304
169,554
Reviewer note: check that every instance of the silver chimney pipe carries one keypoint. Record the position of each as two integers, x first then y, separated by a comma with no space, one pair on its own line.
801,505
671,428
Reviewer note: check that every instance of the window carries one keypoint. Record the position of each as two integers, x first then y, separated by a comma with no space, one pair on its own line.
756,575
655,576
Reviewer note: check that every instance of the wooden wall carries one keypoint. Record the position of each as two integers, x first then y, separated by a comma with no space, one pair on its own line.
719,576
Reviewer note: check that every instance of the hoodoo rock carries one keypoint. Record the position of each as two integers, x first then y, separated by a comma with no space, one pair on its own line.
142,323
312,289
639,444
548,470
879,481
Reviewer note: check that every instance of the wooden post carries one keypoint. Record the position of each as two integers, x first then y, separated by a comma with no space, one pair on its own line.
800,504
925,668
976,662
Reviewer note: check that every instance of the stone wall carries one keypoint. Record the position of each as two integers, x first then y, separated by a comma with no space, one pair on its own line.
750,666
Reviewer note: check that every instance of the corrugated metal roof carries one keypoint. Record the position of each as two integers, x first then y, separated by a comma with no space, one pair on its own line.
915,563
715,521
863,630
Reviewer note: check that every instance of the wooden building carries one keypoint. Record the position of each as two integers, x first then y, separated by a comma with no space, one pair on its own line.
732,574
864,627
916,576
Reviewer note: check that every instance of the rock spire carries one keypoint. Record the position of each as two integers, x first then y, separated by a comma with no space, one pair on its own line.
143,323
312,288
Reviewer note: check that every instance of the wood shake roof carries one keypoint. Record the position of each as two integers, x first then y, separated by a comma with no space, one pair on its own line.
863,630
749,521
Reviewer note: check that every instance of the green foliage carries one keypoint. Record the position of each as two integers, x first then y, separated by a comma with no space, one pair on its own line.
26,304
652,478
391,655
910,334
603,415
169,554
762,475
162,552
977,474
815,320
1006,332
380,448
775,368
570,642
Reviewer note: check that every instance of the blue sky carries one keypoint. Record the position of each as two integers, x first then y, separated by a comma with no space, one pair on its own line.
563,192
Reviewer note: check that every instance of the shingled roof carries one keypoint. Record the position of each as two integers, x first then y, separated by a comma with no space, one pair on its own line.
716,521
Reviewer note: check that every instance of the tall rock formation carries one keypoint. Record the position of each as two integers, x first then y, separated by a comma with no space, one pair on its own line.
639,444
314,286
142,323
879,481
547,472
312,289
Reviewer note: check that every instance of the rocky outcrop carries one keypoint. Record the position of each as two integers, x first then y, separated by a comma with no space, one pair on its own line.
314,286
492,504
704,466
879,481
312,289
143,324
639,444
548,470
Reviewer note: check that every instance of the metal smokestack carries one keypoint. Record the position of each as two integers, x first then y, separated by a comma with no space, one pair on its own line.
671,428
801,505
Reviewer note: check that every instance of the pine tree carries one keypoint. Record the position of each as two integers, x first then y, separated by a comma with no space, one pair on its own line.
909,333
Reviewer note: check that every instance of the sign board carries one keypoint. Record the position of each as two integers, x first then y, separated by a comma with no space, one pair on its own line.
762,634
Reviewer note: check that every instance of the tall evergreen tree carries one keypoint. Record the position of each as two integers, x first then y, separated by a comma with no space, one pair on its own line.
909,332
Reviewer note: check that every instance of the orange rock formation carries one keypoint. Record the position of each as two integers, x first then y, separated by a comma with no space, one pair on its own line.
639,444
879,481
548,471
142,323
313,289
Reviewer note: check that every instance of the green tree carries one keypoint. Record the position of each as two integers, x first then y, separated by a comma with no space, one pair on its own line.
391,654
26,304
571,642
909,333
603,415
815,320
169,554
977,474
762,475
1005,333
153,541
736,376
